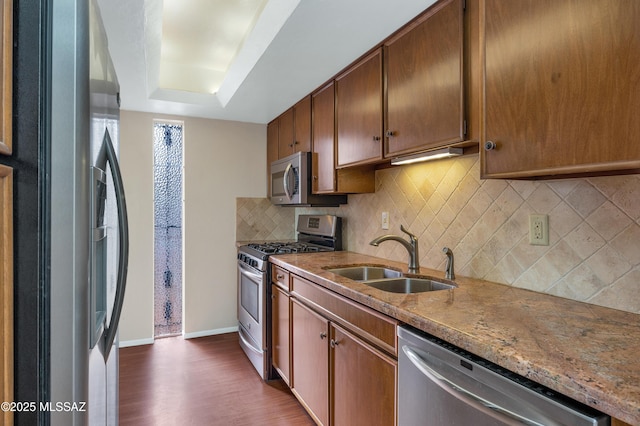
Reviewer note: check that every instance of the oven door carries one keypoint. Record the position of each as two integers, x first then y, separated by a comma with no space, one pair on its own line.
251,303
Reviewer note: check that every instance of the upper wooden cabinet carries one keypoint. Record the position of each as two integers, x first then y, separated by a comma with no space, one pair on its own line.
326,178
272,150
561,89
359,112
294,129
424,80
323,141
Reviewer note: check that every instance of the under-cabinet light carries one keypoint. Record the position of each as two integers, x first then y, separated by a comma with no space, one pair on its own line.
427,156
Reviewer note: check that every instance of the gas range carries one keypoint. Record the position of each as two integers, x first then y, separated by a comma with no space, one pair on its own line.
316,233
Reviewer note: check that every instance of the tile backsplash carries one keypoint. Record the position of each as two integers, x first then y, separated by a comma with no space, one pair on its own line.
594,243
257,219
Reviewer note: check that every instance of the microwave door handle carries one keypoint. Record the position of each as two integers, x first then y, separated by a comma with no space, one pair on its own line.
287,173
459,392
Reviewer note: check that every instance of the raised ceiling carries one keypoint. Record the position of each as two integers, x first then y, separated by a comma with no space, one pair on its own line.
169,59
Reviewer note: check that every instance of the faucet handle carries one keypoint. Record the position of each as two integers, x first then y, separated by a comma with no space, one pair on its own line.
403,229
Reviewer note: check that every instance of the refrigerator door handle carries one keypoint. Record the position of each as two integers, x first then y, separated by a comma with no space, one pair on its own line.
107,152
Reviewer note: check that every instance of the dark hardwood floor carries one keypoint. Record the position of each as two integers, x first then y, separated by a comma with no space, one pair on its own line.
203,381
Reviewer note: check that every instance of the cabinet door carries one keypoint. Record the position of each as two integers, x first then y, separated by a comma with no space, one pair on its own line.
6,290
364,382
302,125
280,323
6,77
311,361
285,133
423,68
272,150
323,140
561,92
359,112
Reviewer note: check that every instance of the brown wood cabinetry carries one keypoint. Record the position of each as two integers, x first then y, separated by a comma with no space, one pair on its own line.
6,291
560,87
281,323
294,129
311,361
326,179
344,358
361,375
424,102
359,112
272,150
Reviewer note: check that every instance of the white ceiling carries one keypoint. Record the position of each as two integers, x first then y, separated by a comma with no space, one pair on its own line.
295,46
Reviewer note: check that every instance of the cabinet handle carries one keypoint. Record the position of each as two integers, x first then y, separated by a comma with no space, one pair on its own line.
296,142
323,335
376,138
489,145
334,343
279,277
290,145
390,133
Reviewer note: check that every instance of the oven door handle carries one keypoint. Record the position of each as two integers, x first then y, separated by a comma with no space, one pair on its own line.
459,392
247,341
244,270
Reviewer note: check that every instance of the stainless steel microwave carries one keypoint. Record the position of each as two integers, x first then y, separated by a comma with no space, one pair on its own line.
291,183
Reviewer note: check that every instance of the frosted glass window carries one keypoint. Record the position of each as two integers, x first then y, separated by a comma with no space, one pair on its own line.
167,170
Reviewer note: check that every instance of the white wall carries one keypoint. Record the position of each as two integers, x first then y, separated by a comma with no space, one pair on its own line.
222,160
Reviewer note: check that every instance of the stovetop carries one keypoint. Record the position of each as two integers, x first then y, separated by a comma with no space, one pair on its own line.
316,233
286,247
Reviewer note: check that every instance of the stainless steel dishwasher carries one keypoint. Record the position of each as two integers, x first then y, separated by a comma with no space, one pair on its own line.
440,384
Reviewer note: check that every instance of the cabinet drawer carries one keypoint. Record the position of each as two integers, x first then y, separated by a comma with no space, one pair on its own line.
373,326
280,277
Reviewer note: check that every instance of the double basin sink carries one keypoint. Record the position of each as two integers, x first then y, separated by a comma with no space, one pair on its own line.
390,280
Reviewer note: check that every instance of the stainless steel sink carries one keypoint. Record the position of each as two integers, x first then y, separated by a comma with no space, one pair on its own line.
409,285
366,273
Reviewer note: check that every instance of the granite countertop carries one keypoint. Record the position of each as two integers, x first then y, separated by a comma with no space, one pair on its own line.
587,352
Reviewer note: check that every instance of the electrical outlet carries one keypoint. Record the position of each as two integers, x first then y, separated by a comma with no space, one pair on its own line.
539,229
385,220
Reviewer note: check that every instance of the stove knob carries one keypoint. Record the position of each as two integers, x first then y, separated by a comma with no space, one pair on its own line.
254,263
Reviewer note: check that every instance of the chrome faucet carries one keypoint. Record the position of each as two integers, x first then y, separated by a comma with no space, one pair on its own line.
411,246
448,269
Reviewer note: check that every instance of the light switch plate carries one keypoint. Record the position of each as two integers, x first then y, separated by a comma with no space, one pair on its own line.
385,220
539,229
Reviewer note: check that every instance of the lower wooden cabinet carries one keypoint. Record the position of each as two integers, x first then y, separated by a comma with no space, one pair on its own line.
6,291
339,375
364,382
280,338
311,361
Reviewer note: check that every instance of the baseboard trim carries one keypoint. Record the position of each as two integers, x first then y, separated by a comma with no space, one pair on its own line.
210,332
138,342
194,335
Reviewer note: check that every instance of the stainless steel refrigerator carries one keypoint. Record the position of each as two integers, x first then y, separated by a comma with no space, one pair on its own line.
87,238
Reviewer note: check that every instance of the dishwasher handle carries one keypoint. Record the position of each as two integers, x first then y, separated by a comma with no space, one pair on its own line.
459,392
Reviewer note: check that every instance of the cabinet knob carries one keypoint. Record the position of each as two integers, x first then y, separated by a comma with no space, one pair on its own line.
334,343
279,277
489,145
323,335
296,142
376,138
390,133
